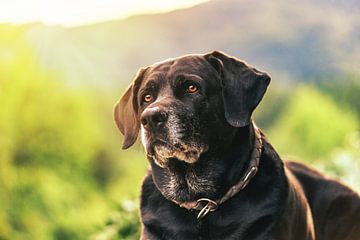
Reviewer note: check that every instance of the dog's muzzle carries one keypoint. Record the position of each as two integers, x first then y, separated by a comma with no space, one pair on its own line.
163,135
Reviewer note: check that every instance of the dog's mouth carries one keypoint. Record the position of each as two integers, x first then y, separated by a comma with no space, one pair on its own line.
162,151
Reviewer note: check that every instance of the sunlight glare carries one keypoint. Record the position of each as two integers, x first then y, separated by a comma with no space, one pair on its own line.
70,12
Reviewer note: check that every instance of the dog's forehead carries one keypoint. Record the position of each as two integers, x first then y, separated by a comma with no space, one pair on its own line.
170,68
191,62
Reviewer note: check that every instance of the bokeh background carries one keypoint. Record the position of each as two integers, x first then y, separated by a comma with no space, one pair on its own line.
62,172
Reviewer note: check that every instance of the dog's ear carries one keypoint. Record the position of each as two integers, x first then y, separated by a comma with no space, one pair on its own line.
243,87
126,112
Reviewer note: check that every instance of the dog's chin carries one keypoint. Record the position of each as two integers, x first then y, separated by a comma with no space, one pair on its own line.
163,153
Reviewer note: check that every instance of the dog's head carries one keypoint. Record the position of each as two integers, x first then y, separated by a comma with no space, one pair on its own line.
189,105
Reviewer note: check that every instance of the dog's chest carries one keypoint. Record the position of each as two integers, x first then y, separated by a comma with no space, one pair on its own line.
163,219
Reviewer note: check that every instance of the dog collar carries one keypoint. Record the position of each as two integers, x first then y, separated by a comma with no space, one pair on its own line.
206,205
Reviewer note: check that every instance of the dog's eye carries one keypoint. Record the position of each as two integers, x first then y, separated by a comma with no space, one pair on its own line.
192,88
147,98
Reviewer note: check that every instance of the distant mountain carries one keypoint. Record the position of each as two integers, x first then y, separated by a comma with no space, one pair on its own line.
292,40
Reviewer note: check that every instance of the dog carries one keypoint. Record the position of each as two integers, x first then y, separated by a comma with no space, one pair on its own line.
214,174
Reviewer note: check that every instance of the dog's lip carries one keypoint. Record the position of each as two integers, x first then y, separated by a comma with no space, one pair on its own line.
165,143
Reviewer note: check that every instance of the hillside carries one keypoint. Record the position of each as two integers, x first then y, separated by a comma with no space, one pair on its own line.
291,40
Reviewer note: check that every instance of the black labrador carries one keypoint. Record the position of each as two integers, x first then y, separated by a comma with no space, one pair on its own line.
214,175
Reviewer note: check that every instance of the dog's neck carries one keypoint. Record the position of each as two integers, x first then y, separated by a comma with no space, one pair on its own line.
209,177
239,154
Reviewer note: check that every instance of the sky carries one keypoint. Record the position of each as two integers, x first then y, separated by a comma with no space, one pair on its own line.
79,12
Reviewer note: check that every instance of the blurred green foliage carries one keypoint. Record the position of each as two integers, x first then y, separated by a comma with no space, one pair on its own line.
63,176
312,125
59,177
318,129
123,224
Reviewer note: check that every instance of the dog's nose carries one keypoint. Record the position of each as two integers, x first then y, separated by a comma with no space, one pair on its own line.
153,118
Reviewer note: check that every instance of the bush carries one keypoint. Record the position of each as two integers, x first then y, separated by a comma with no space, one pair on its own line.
314,128
312,125
122,225
51,140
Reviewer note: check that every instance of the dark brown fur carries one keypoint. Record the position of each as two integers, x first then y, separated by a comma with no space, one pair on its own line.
198,145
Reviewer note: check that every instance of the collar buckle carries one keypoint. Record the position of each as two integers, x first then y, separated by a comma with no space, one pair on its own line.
210,206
